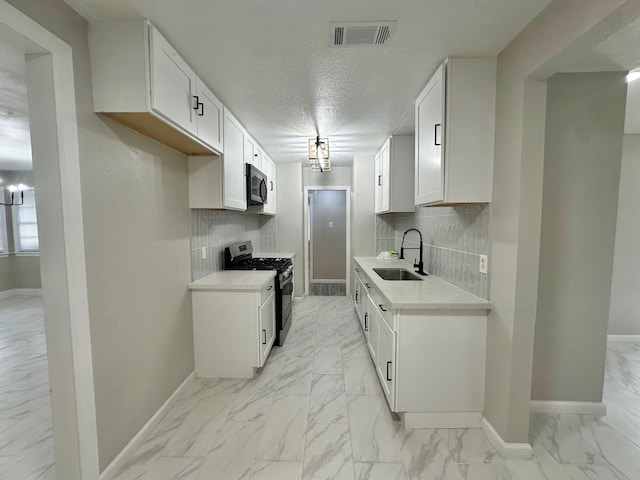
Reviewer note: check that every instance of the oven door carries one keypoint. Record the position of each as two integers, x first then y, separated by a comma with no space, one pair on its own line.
287,300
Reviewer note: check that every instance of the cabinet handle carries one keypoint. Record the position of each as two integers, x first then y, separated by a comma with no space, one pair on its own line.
201,112
197,99
368,286
269,288
264,335
366,325
379,180
255,154
271,182
357,270
388,365
435,135
382,307
356,296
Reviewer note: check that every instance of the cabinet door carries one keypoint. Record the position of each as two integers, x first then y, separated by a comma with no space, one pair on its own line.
267,333
430,134
386,360
234,184
173,84
372,334
270,170
209,115
378,187
385,160
250,150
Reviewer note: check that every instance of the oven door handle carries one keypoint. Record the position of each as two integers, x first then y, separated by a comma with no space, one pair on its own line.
286,281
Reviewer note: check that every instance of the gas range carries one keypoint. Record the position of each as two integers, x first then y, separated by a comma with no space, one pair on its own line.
239,256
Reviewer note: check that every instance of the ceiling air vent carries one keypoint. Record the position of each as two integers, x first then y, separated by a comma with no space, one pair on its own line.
360,34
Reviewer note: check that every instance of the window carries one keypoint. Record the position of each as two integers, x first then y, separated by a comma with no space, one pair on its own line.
25,224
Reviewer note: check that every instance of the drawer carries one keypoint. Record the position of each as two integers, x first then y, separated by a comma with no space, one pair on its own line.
267,290
382,305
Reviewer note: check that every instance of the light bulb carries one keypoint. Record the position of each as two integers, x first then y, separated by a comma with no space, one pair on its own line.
22,186
12,188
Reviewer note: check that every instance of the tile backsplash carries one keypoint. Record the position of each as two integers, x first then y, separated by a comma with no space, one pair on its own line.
454,238
216,229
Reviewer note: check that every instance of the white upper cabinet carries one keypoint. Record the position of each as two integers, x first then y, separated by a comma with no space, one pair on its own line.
219,181
252,152
454,139
234,183
270,170
394,170
140,81
209,116
173,84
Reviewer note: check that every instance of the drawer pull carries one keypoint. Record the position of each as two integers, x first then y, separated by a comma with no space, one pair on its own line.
264,337
382,307
388,365
366,325
368,286
269,287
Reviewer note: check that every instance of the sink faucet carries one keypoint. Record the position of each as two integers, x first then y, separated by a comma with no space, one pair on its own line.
420,264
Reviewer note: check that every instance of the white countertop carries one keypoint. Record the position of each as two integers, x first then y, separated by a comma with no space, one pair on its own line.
430,293
233,280
273,255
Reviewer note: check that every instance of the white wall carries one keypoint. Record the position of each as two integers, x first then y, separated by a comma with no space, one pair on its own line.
583,150
363,229
289,219
136,227
624,312
516,205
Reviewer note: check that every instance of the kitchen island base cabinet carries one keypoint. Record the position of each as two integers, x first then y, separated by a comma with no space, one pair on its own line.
233,332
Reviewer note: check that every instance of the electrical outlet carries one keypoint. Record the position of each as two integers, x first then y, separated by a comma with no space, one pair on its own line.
203,253
484,264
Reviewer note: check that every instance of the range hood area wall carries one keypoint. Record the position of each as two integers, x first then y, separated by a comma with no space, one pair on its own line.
213,230
454,239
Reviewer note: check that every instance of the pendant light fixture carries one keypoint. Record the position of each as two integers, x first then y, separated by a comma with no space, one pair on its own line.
319,157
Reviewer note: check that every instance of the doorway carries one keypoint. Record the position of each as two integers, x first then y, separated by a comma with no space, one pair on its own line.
326,245
56,167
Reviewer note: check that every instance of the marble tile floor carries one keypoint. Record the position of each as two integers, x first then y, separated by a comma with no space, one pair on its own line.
315,411
26,435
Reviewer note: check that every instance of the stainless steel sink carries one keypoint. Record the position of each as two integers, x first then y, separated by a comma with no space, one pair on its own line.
396,274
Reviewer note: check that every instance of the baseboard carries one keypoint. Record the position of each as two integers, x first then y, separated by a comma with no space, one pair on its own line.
117,463
507,450
21,292
577,408
442,420
623,338
299,299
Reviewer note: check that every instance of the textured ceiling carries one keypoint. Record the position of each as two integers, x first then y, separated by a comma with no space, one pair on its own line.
15,142
270,61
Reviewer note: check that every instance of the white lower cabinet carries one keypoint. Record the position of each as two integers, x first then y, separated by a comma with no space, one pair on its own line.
386,361
266,315
372,330
430,362
233,331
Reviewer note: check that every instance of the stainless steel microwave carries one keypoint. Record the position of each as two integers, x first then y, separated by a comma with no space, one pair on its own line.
256,186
